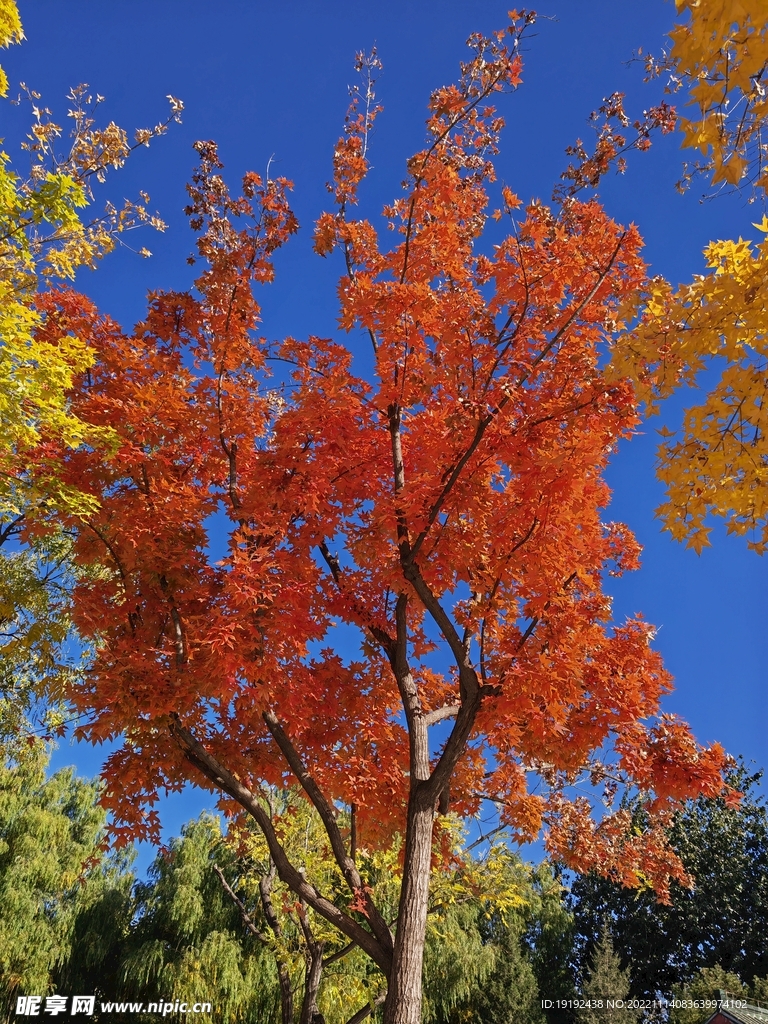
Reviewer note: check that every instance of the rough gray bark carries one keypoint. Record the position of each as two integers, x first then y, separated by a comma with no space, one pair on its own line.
403,1003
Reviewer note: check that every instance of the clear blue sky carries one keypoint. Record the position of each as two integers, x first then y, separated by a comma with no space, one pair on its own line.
269,80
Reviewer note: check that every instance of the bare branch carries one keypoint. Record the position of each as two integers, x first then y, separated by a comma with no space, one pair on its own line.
283,974
179,638
486,836
246,917
439,714
353,831
398,467
456,745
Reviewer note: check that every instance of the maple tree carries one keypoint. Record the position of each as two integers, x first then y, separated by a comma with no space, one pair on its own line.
715,463
10,32
446,509
718,58
716,63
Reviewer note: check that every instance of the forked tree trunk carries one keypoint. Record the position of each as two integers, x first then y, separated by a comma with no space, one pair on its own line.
403,1003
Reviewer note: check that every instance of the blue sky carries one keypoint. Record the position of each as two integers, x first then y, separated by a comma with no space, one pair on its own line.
268,81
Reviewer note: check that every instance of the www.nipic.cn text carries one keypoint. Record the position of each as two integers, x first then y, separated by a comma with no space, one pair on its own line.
53,1006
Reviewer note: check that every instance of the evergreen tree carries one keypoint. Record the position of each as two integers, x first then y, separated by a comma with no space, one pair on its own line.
759,992
606,982
511,994
549,940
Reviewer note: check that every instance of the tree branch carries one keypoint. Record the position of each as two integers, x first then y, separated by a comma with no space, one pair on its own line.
398,467
283,974
439,714
454,748
409,693
379,635
467,675
224,780
246,917
111,549
10,528
314,968
339,954
346,864
365,1011
485,422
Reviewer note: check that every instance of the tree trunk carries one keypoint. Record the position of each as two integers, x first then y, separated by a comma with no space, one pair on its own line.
313,971
286,993
312,977
403,1004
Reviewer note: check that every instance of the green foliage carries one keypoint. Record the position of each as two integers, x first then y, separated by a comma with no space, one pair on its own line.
549,939
101,927
723,920
710,985
50,829
706,987
189,942
512,993
492,960
606,981
39,654
457,965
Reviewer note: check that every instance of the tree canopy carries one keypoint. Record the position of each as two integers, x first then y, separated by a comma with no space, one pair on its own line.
721,922
452,499
716,462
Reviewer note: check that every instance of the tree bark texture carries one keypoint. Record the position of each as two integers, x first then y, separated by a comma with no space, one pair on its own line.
403,1003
